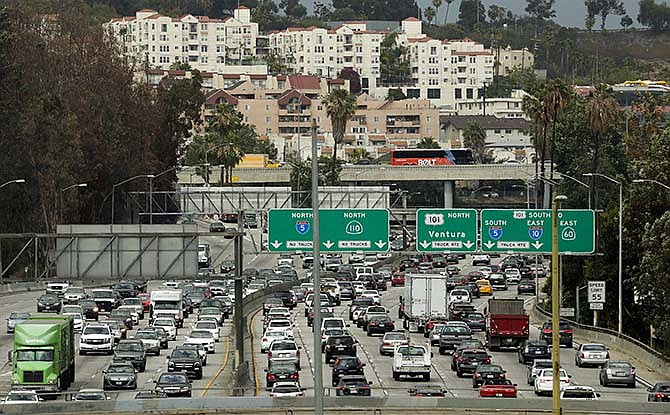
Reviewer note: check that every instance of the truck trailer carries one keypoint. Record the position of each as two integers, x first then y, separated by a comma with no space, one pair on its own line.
426,295
507,324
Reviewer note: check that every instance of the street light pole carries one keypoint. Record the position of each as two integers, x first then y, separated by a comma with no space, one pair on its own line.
663,185
146,176
620,319
580,183
61,196
316,249
555,308
12,182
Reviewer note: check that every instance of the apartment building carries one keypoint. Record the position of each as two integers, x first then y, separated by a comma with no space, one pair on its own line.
205,44
511,59
500,107
504,133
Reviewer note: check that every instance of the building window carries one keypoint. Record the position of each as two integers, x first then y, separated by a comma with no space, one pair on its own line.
413,93
268,118
508,131
458,93
434,93
247,107
468,93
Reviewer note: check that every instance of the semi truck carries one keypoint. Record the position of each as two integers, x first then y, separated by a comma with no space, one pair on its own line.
43,356
426,295
507,324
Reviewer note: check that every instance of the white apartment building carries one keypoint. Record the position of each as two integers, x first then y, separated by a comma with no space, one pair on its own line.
205,44
504,107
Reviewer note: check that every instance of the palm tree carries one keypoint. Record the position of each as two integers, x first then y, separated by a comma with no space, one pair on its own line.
429,14
474,138
603,111
428,142
229,155
556,98
446,15
340,107
536,110
436,6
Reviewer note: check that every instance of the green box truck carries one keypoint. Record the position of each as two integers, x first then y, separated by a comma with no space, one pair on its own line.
44,354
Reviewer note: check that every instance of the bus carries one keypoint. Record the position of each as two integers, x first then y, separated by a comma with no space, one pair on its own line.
431,157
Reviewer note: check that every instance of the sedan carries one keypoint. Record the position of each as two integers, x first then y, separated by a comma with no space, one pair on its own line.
119,376
14,319
533,349
476,321
544,381
202,337
280,371
286,390
379,324
485,372
391,340
353,385
526,287
50,303
174,384
594,354
660,392
211,312
21,397
346,365
90,309
91,395
617,373
209,325
498,388
435,391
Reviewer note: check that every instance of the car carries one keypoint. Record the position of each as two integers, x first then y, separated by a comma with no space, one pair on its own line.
487,371
544,381
589,354
198,348
346,365
565,332
475,344
498,388
476,321
150,394
49,303
162,335
135,302
133,311
434,391
211,312
131,351
353,385
339,346
168,324
513,275
530,350
174,384
484,286
281,371
498,282
286,390
217,227
73,295
480,259
398,279
123,316
535,367
271,335
286,351
185,360
209,325
118,329
202,337
579,393
91,395
452,336
90,309
617,373
374,294
391,340
96,337
14,319
119,376
434,334
469,360
379,324
281,324
150,340
526,286
660,392
20,397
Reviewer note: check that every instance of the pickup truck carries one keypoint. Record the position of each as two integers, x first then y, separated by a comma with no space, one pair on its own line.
411,360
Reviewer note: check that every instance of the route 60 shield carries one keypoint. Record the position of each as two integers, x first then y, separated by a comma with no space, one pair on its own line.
302,227
535,232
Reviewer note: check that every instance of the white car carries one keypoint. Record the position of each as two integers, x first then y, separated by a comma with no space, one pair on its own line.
202,337
481,259
359,287
134,314
96,338
78,321
272,335
486,271
544,381
211,312
374,294
370,260
594,354
135,302
209,325
391,340
333,323
356,258
513,275
72,295
383,255
252,288
285,350
168,325
579,393
286,390
459,296
21,397
281,324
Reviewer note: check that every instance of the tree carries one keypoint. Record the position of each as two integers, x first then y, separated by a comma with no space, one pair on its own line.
322,11
626,22
541,9
293,8
275,64
535,108
340,106
436,7
429,13
589,22
557,97
654,15
604,8
497,15
446,13
428,142
180,66
378,9
471,13
359,154
474,138
394,68
395,94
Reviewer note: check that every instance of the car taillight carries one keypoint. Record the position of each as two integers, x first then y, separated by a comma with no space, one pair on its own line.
502,375
487,361
264,340
477,375
581,355
271,376
386,344
270,354
462,360
294,376
632,371
607,356
297,353
546,331
659,395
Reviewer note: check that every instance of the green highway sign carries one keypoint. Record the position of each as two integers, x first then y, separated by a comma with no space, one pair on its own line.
440,230
529,230
340,230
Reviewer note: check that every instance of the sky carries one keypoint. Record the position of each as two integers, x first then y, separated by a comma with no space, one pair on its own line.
569,13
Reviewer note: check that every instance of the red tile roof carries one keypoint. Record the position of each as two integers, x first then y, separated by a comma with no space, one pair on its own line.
304,82
336,81
147,11
219,95
253,76
231,76
154,16
420,39
243,8
292,93
411,19
281,77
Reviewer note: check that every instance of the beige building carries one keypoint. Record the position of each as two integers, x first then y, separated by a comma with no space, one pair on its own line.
511,59
205,44
507,107
503,133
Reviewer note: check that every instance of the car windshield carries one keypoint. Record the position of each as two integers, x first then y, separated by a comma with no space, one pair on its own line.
475,316
210,310
619,365
280,323
354,382
19,316
283,367
455,330
578,394
594,348
35,355
411,351
163,322
208,325
129,347
149,335
74,290
172,378
181,353
279,345
132,301
103,294
87,303
663,388
347,363
498,382
200,334
96,330
548,373
333,323
285,389
49,298
166,305
395,336
345,340
22,396
120,369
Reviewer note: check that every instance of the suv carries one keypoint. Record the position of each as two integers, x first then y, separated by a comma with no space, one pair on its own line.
185,360
565,332
470,359
174,384
96,338
281,371
356,385
339,346
131,351
346,365
487,372
285,351
533,349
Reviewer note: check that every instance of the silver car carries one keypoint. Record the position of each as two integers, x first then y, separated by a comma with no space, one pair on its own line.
589,354
617,373
391,340
14,319
434,335
285,350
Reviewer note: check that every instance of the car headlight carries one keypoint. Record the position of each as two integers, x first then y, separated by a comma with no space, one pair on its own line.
170,364
184,388
95,309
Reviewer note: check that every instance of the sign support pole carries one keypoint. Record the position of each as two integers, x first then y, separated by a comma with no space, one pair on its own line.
555,309
316,249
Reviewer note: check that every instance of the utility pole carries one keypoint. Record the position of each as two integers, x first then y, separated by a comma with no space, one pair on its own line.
240,322
555,309
316,248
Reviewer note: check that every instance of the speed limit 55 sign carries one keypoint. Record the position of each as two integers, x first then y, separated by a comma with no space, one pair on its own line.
596,291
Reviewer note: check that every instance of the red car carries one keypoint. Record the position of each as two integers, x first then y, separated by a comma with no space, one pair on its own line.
432,322
398,279
146,300
497,388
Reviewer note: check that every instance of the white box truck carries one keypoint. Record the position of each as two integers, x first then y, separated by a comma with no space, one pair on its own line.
426,295
168,302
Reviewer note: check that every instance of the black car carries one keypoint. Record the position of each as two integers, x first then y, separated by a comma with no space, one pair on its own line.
346,365
150,395
487,372
287,297
347,291
458,310
476,321
185,360
123,316
451,259
379,324
281,371
565,332
660,392
533,349
453,282
452,336
49,303
119,376
465,345
131,351
526,286
469,361
353,385
380,283
339,346
90,308
174,384
125,289
217,227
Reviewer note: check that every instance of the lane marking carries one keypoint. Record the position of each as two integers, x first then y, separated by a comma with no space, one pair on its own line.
253,353
219,371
